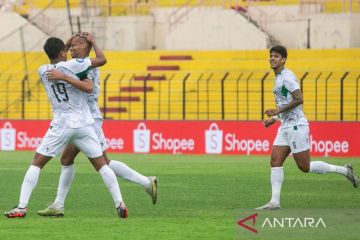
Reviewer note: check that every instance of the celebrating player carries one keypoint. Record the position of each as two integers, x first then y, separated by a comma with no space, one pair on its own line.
293,134
80,46
72,123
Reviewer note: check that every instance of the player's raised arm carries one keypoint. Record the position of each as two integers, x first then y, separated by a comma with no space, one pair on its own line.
85,85
68,42
100,58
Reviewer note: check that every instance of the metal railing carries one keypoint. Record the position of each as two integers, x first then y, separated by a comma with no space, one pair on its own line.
196,99
228,95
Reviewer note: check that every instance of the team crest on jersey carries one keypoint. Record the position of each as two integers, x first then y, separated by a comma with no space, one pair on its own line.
80,60
90,76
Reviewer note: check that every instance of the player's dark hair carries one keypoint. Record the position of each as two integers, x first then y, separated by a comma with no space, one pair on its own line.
53,46
279,49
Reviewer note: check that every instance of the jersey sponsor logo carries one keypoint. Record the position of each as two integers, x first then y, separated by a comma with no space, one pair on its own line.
141,141
213,139
8,138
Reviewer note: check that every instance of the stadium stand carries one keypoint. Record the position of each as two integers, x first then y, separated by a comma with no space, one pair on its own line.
128,74
192,84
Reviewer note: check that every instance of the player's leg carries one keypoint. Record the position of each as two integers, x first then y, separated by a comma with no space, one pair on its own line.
29,183
67,174
124,171
111,183
321,167
300,148
51,145
280,152
87,141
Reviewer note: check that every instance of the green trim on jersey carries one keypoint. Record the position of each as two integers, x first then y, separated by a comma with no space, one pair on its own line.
83,75
284,91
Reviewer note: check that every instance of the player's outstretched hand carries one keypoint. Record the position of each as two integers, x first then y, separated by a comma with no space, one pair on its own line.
269,122
271,112
54,74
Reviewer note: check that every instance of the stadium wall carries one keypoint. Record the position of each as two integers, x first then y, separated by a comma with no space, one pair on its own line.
129,33
10,37
290,27
201,29
192,137
335,31
215,29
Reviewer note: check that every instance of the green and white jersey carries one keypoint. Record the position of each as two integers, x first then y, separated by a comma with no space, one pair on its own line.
285,84
92,98
68,104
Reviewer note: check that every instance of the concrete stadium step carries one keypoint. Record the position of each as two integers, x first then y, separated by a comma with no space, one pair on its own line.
175,57
163,68
114,109
151,78
136,89
124,99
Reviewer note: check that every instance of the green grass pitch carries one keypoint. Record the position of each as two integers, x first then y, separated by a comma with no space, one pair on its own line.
198,196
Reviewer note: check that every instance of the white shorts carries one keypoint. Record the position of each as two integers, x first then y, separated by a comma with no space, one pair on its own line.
296,137
58,136
97,125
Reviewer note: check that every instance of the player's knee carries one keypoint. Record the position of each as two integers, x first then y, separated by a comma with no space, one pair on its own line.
275,162
66,161
38,164
304,168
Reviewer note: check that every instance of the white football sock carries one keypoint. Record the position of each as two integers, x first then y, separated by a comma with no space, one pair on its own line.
30,180
323,167
65,180
111,183
123,170
277,177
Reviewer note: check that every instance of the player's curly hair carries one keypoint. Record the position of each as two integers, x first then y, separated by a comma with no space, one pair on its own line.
279,49
53,46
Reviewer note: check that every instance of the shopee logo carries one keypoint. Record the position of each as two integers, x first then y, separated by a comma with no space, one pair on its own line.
213,139
141,139
8,137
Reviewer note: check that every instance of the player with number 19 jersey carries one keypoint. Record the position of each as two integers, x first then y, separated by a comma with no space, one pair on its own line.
69,105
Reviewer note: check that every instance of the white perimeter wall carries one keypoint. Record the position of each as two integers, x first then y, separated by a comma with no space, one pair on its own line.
10,41
203,29
129,33
215,29
326,30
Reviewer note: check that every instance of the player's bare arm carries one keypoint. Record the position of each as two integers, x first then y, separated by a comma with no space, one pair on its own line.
84,85
297,100
268,122
100,58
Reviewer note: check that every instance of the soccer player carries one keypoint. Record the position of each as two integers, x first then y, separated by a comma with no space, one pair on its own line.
71,123
80,47
293,134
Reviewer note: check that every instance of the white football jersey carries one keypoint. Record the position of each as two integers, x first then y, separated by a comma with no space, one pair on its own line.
68,103
92,98
285,84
